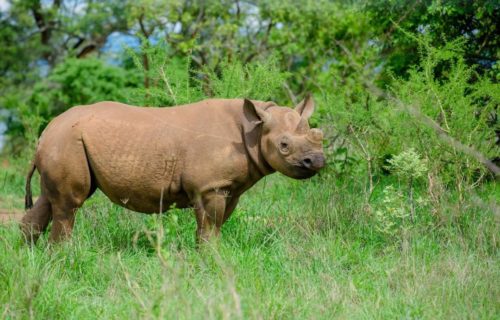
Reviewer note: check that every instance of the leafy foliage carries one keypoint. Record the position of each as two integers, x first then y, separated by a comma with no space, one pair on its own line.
408,165
79,82
170,81
260,80
440,21
441,90
393,215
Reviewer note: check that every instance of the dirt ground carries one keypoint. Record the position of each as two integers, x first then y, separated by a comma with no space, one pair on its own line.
7,213
8,216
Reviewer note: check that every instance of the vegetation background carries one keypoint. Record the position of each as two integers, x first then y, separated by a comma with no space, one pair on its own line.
403,223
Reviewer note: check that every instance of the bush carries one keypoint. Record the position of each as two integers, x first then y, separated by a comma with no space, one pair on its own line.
78,82
441,90
172,82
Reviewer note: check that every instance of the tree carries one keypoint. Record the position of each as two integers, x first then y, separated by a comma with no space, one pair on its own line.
475,21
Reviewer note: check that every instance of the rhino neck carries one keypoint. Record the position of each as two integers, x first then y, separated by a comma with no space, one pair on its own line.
252,133
251,141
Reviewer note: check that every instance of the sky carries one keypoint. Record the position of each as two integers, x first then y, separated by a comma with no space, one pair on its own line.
4,5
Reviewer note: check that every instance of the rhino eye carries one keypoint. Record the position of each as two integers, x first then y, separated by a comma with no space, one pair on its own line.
284,146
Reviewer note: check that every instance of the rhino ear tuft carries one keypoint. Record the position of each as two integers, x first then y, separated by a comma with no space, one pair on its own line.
255,114
306,107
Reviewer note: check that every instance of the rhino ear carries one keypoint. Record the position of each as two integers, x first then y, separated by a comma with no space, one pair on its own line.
254,114
306,107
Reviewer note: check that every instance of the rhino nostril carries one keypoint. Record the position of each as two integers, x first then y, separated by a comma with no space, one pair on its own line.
313,162
307,162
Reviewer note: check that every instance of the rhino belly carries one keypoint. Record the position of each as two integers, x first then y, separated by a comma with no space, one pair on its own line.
135,167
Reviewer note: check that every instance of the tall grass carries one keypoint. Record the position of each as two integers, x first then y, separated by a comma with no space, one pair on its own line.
291,250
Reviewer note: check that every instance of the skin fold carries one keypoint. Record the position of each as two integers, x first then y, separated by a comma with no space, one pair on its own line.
203,155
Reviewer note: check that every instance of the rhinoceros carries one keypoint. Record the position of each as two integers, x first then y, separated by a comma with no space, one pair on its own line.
203,155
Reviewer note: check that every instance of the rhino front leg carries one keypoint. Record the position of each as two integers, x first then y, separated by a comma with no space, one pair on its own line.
231,204
210,215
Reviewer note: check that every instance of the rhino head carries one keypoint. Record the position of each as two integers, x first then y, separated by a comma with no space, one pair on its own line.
287,144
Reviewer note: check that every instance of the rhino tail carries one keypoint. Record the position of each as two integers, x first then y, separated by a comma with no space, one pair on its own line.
28,198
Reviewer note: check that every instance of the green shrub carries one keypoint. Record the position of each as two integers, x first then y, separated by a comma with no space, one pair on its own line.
167,80
458,100
392,215
172,82
78,82
441,90
258,80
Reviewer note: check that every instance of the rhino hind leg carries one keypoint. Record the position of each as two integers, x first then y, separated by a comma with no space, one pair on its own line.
68,183
64,209
36,220
62,224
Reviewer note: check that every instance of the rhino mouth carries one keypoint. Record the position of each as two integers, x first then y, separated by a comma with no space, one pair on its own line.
304,173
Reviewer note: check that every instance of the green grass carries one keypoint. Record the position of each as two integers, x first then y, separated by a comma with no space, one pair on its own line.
292,250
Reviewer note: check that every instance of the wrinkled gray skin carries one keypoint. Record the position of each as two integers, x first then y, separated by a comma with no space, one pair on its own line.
202,155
